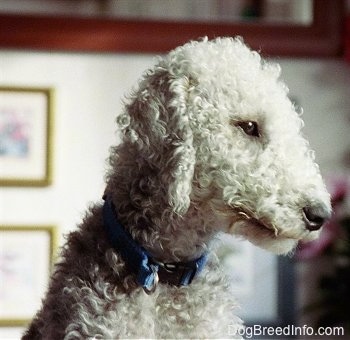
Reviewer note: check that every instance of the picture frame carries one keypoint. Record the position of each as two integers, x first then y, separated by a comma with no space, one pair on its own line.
27,254
262,281
26,119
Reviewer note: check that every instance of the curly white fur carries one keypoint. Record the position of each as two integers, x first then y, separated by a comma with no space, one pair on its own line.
185,171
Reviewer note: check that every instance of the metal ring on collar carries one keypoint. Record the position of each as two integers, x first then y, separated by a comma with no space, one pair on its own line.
152,289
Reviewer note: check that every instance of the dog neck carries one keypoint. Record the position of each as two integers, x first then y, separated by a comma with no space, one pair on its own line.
148,271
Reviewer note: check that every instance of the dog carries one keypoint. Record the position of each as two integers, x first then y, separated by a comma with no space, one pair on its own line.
211,143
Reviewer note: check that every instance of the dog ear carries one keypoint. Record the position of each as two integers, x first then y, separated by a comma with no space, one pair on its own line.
159,129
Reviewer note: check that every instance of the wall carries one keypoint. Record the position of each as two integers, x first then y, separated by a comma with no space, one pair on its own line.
88,94
321,87
89,89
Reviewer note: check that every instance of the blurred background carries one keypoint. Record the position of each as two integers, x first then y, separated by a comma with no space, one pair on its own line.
83,57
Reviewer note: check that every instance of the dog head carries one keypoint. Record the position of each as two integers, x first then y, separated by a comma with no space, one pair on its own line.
211,129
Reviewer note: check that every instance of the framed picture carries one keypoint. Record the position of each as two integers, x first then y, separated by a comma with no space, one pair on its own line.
26,257
25,136
263,283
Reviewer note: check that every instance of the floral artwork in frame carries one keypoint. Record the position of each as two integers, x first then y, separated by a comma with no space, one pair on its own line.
26,257
25,136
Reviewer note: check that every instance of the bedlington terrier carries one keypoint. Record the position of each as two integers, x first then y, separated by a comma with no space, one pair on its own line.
210,144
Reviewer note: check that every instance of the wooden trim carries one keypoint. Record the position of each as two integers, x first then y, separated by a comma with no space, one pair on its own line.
322,38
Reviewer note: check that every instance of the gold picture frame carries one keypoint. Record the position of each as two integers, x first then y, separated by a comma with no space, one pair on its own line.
27,254
26,128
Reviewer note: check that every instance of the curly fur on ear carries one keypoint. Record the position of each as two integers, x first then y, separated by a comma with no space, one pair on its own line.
157,139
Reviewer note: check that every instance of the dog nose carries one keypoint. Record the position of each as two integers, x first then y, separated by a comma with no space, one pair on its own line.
315,216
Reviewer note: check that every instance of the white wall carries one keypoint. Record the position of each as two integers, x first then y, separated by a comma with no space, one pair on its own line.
322,87
88,94
89,89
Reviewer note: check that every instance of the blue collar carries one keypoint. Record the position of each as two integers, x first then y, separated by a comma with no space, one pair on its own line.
147,270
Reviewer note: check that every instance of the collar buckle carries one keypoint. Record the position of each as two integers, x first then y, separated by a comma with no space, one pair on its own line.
148,271
150,290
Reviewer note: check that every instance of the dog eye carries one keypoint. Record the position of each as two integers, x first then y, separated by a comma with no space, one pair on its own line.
250,128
